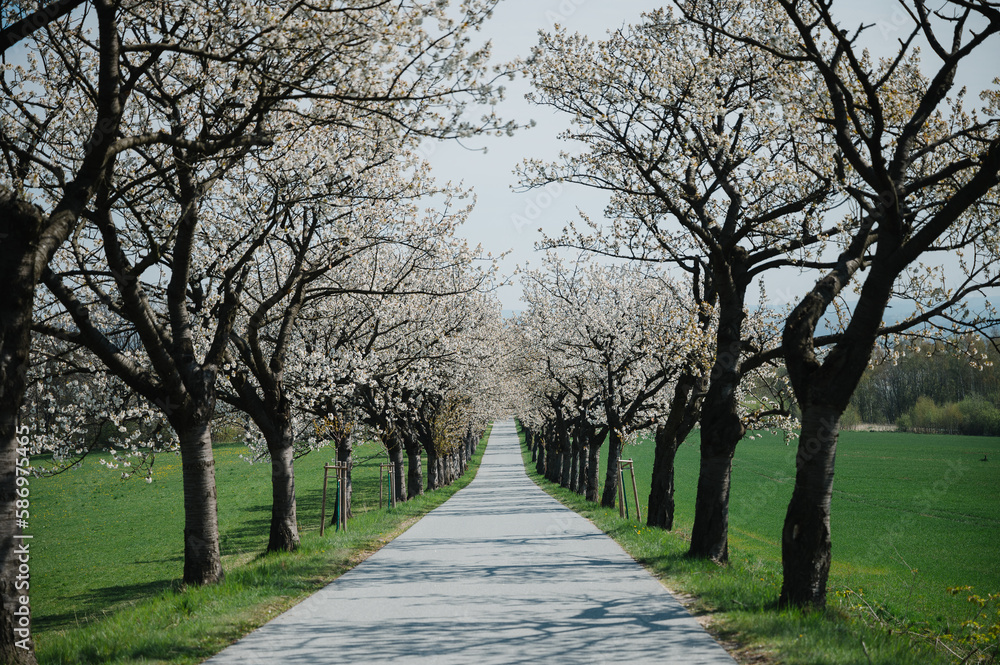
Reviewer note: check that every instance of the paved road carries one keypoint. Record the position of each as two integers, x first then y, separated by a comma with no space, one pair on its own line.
501,573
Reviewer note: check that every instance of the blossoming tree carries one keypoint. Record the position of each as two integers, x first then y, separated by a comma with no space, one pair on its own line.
686,131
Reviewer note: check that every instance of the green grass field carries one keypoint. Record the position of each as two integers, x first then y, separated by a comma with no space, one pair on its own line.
912,516
107,555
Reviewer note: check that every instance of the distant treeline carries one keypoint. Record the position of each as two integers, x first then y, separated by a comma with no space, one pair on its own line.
934,388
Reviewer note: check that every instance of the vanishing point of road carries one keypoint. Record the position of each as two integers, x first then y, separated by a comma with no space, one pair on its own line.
501,573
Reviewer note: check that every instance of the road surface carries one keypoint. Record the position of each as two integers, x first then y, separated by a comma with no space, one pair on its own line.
501,573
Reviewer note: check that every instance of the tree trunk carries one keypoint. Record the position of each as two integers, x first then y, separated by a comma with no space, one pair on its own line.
202,555
552,462
399,472
565,479
660,511
805,538
16,645
610,495
594,469
540,445
414,473
574,467
685,408
584,470
721,431
823,391
710,535
433,470
414,470
284,535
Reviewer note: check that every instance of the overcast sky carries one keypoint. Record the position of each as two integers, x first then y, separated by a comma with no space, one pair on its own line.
498,220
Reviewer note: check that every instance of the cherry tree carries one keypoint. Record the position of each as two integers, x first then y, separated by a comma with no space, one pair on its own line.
155,111
922,176
329,221
687,132
32,229
625,334
392,340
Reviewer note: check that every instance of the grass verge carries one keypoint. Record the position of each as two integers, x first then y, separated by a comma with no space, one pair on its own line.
159,622
737,601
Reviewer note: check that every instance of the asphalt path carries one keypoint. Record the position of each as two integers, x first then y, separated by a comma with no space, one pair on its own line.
500,573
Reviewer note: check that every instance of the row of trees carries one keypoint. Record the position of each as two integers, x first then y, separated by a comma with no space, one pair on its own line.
738,141
215,207
938,370
973,415
614,350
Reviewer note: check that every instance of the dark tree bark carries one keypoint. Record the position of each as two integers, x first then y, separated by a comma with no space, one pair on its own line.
202,555
593,469
284,532
541,445
273,416
566,445
38,19
823,391
610,495
18,247
552,462
433,470
396,455
805,538
415,472
710,535
683,416
660,510
574,467
584,465
721,430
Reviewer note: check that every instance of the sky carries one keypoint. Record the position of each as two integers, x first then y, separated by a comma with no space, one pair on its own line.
505,220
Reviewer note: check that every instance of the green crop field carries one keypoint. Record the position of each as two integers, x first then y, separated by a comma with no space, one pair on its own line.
913,516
